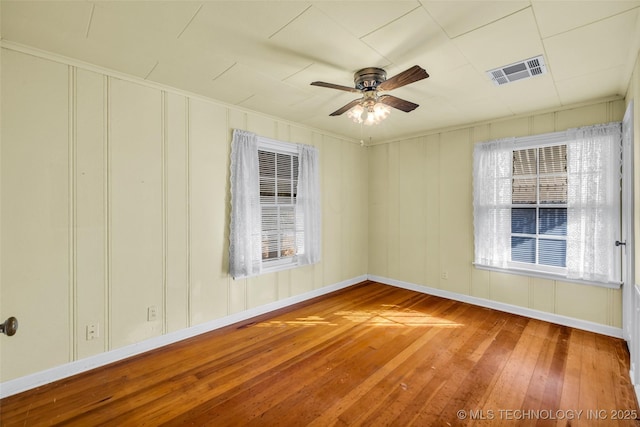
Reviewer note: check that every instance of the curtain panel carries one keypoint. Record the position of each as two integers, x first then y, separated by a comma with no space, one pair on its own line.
593,204
492,170
308,212
245,239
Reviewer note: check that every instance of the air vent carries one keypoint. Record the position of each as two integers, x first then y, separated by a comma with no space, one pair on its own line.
520,70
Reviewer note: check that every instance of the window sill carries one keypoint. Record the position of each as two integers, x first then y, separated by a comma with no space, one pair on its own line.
548,276
279,265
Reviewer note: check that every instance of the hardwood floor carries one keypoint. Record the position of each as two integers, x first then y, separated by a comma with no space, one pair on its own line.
369,355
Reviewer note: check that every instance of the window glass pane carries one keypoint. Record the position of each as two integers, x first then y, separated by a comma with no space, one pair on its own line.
553,159
523,249
285,191
295,176
553,189
269,245
284,166
287,218
523,221
278,181
524,162
269,219
267,162
267,190
553,252
288,244
523,191
553,221
267,166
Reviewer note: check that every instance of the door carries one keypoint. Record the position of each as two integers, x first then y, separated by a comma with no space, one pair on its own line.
627,227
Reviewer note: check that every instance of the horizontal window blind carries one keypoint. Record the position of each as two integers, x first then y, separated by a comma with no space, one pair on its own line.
278,184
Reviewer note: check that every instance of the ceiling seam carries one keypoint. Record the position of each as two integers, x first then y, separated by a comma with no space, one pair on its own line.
224,71
436,21
93,8
590,23
455,45
190,21
391,22
151,71
246,99
291,21
544,53
297,72
360,38
492,22
613,67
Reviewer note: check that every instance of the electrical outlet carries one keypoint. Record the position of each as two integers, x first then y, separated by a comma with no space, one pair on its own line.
93,331
152,313
445,275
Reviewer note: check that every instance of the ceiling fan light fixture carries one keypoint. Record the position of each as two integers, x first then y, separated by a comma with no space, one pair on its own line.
372,108
371,115
381,111
356,113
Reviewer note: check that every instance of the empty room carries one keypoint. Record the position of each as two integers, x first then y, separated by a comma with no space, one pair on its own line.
292,213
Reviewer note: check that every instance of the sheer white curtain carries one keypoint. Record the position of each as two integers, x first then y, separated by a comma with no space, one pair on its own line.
245,246
593,204
492,170
245,258
308,213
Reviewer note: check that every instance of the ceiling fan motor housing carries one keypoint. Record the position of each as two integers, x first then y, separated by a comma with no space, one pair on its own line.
368,79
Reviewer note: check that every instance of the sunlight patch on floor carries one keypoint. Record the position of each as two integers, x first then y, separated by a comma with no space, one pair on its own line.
387,315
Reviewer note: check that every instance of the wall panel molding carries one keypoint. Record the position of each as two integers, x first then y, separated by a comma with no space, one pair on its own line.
73,214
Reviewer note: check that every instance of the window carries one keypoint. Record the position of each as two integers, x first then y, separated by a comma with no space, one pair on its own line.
278,184
539,207
549,205
275,205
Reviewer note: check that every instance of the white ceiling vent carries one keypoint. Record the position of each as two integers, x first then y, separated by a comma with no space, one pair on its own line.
520,70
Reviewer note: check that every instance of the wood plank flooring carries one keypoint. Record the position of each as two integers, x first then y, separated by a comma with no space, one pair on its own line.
370,355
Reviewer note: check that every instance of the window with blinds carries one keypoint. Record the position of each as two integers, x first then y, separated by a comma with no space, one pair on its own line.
278,183
539,207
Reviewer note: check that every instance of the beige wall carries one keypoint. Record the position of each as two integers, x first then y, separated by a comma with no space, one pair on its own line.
421,218
115,198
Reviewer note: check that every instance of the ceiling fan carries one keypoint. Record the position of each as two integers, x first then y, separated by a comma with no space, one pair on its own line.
372,107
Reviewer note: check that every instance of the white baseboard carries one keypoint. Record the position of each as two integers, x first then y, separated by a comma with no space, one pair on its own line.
509,308
37,379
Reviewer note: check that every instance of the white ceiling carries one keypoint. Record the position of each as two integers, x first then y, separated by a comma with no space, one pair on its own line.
262,55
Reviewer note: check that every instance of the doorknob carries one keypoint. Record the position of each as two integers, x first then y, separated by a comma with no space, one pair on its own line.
9,327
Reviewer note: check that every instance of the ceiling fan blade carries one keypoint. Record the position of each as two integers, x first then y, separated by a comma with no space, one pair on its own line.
346,107
398,103
411,75
334,86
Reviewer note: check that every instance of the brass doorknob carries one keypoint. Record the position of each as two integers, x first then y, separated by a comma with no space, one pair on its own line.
9,327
